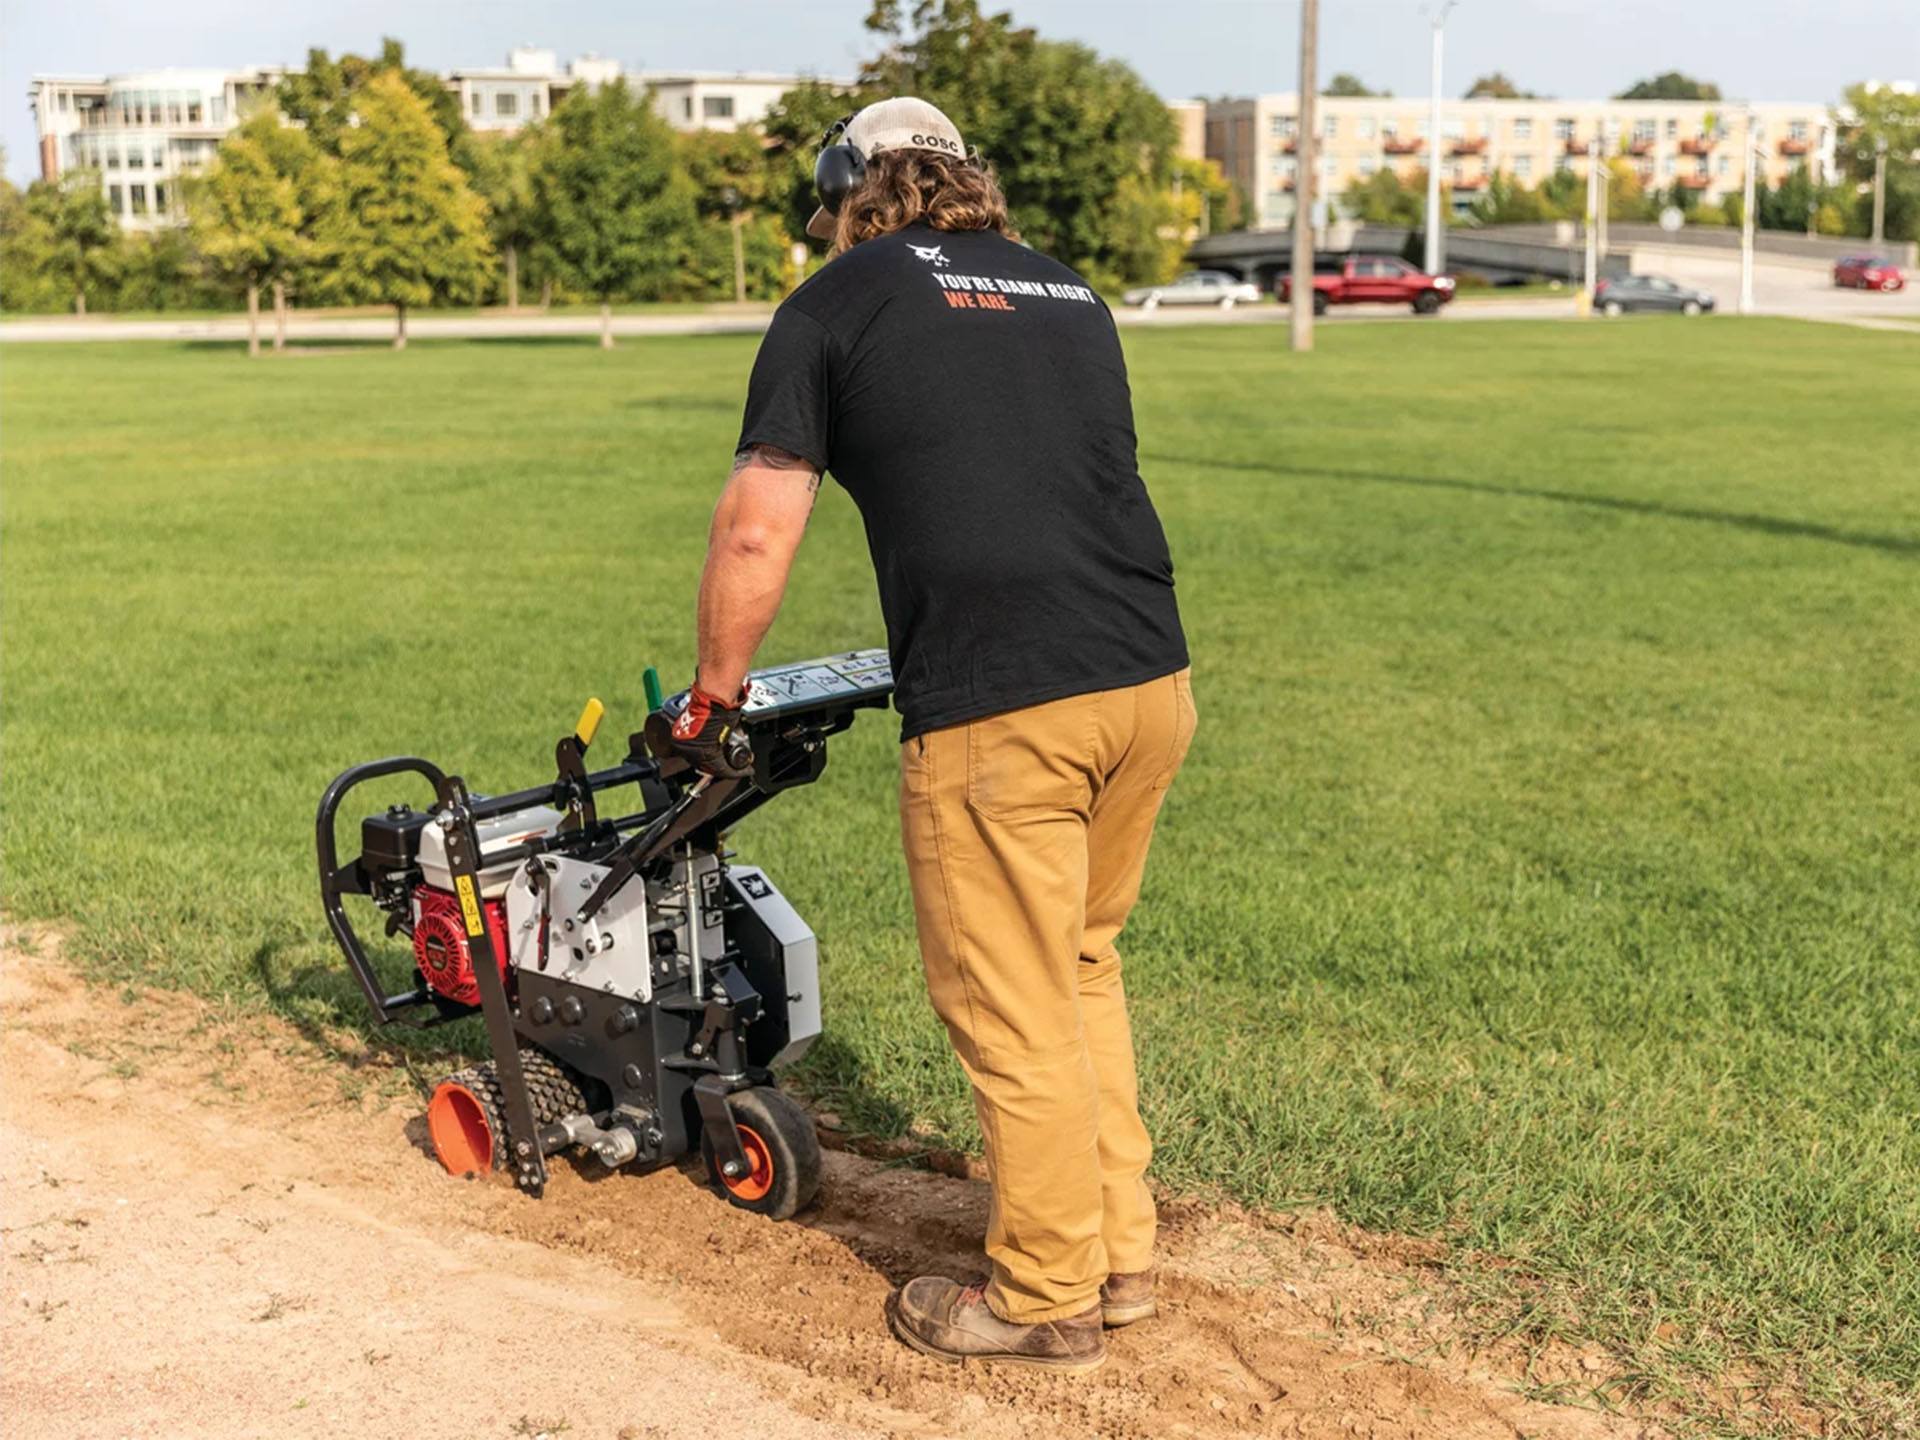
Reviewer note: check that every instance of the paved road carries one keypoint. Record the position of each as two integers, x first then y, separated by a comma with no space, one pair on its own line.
1803,291
1779,289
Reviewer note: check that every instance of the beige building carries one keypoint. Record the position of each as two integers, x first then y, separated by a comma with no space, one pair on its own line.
1692,145
142,131
525,89
1190,126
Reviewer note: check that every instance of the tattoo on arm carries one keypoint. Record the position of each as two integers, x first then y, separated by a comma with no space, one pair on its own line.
771,457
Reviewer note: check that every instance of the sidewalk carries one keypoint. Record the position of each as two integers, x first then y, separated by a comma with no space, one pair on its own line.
374,330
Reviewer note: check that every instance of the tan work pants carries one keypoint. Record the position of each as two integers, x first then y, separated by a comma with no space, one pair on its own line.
1026,836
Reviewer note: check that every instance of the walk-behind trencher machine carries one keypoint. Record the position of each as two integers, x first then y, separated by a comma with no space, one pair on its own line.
638,985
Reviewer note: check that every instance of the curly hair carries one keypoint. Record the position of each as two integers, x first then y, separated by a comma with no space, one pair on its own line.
903,187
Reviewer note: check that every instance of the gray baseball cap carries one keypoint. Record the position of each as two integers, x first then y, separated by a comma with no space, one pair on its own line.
902,123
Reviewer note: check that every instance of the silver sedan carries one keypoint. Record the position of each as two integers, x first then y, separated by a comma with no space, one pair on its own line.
1196,287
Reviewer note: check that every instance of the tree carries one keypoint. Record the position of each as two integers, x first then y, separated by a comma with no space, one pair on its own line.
617,205
1868,118
82,240
27,282
322,97
1062,126
1345,86
1797,203
1627,197
164,270
793,128
1206,201
1508,202
408,229
316,182
502,169
1498,87
1381,199
246,216
1564,193
1671,86
731,181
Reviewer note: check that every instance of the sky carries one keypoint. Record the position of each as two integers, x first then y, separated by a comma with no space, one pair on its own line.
1759,49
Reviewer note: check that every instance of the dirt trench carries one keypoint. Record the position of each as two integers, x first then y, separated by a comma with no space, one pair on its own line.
213,1229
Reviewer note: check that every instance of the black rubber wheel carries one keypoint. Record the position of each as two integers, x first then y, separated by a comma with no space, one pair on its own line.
467,1114
1319,302
783,1155
1426,303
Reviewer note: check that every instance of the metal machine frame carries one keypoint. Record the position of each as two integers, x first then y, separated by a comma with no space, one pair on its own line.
656,1044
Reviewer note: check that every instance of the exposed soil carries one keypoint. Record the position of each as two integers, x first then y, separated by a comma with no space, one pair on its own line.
213,1228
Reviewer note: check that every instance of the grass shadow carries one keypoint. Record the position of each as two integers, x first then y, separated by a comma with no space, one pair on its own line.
1902,545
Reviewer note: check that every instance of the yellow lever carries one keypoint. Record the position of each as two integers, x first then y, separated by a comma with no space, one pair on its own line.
589,721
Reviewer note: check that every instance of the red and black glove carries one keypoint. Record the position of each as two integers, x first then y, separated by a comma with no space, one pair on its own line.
707,735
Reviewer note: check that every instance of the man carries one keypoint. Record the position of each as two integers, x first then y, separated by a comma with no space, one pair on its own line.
971,396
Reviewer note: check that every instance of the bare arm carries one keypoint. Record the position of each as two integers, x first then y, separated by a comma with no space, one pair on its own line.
757,528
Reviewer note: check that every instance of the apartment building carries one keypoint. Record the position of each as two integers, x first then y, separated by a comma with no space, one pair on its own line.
525,89
1190,128
1694,145
532,82
142,131
720,100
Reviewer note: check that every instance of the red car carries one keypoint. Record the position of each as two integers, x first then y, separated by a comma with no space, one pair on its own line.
1868,272
1371,279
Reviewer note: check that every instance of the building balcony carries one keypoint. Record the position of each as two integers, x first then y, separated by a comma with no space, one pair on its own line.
1640,146
1694,182
1288,145
1468,145
1402,145
1469,184
1697,145
1574,146
1791,146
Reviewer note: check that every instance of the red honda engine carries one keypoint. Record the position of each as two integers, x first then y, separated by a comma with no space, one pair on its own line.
440,943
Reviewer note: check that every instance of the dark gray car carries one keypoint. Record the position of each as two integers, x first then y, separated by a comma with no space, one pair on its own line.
1649,292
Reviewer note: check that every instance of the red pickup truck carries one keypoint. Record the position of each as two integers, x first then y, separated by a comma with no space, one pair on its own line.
1371,279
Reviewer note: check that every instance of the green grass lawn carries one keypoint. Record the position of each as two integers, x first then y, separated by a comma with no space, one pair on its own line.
1544,876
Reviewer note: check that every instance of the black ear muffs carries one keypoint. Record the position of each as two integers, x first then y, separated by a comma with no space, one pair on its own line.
837,173
838,169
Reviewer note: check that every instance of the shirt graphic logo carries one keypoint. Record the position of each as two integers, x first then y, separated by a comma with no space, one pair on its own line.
930,253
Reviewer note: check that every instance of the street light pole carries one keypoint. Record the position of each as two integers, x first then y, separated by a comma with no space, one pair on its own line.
1880,190
1300,292
1592,272
731,198
1746,216
1436,223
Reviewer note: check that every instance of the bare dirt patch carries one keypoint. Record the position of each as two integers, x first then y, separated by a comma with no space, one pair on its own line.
212,1228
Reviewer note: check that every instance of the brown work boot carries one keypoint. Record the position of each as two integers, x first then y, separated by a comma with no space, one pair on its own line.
941,1318
1127,1298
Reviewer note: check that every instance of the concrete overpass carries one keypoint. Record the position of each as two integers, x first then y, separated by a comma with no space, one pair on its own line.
1512,253
1264,255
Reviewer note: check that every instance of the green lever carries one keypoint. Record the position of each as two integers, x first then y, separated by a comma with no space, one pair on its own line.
654,698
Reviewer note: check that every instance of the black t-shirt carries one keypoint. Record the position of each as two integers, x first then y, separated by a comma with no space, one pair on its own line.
971,396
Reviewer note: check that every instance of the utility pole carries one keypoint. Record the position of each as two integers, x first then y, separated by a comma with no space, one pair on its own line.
1746,215
1436,226
1879,190
1305,178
